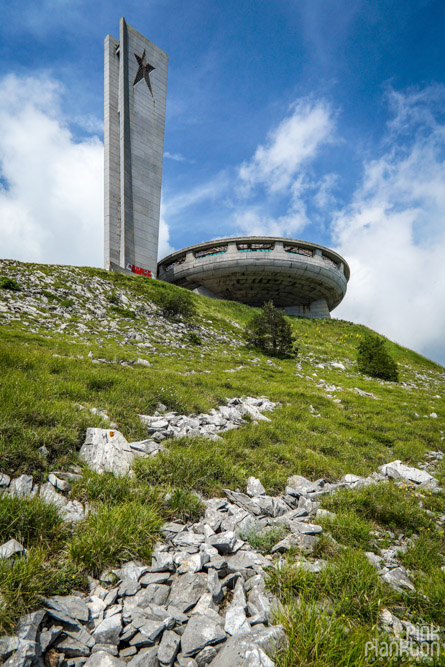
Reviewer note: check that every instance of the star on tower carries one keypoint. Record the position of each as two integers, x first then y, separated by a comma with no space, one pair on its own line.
143,72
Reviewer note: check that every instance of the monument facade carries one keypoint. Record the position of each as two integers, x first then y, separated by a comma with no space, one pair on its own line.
134,114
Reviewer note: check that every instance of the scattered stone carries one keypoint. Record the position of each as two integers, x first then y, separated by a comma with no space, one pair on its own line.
103,659
4,480
398,579
109,630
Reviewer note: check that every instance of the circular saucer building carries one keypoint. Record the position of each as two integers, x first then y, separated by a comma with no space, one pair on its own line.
304,279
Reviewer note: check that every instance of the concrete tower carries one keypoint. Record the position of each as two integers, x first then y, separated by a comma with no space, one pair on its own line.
135,97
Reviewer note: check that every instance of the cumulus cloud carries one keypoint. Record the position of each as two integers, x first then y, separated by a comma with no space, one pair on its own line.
51,187
289,147
393,231
279,173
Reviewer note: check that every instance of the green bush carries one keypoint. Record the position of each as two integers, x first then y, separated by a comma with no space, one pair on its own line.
373,359
176,303
123,312
270,332
193,338
9,283
114,534
114,299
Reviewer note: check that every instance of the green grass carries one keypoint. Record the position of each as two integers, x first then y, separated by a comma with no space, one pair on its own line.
329,616
114,534
348,528
321,639
46,374
349,585
388,505
24,582
31,522
263,540
184,505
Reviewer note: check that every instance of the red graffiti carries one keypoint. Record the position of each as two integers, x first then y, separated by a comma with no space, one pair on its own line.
139,270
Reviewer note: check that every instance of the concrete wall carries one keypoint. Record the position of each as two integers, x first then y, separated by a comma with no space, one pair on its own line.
134,144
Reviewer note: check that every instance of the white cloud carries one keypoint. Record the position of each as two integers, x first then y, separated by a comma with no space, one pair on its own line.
289,147
393,232
164,247
279,173
51,200
177,157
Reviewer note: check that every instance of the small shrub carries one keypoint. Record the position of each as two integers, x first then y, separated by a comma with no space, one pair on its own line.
270,332
193,338
185,505
175,304
113,298
9,283
114,534
373,359
123,312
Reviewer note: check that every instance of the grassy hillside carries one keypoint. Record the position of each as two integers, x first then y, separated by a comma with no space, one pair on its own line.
75,340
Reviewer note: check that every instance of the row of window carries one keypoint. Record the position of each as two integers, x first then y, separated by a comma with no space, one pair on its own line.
249,247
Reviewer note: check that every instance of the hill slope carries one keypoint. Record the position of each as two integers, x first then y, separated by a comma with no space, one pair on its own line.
85,348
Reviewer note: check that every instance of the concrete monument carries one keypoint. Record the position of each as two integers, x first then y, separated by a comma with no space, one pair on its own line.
135,98
305,279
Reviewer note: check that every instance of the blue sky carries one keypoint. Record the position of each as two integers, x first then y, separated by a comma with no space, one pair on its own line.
315,119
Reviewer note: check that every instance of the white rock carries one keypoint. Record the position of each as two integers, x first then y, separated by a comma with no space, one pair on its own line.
107,451
109,630
255,488
10,548
22,487
398,470
236,622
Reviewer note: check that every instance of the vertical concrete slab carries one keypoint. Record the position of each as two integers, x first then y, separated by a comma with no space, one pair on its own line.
135,100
